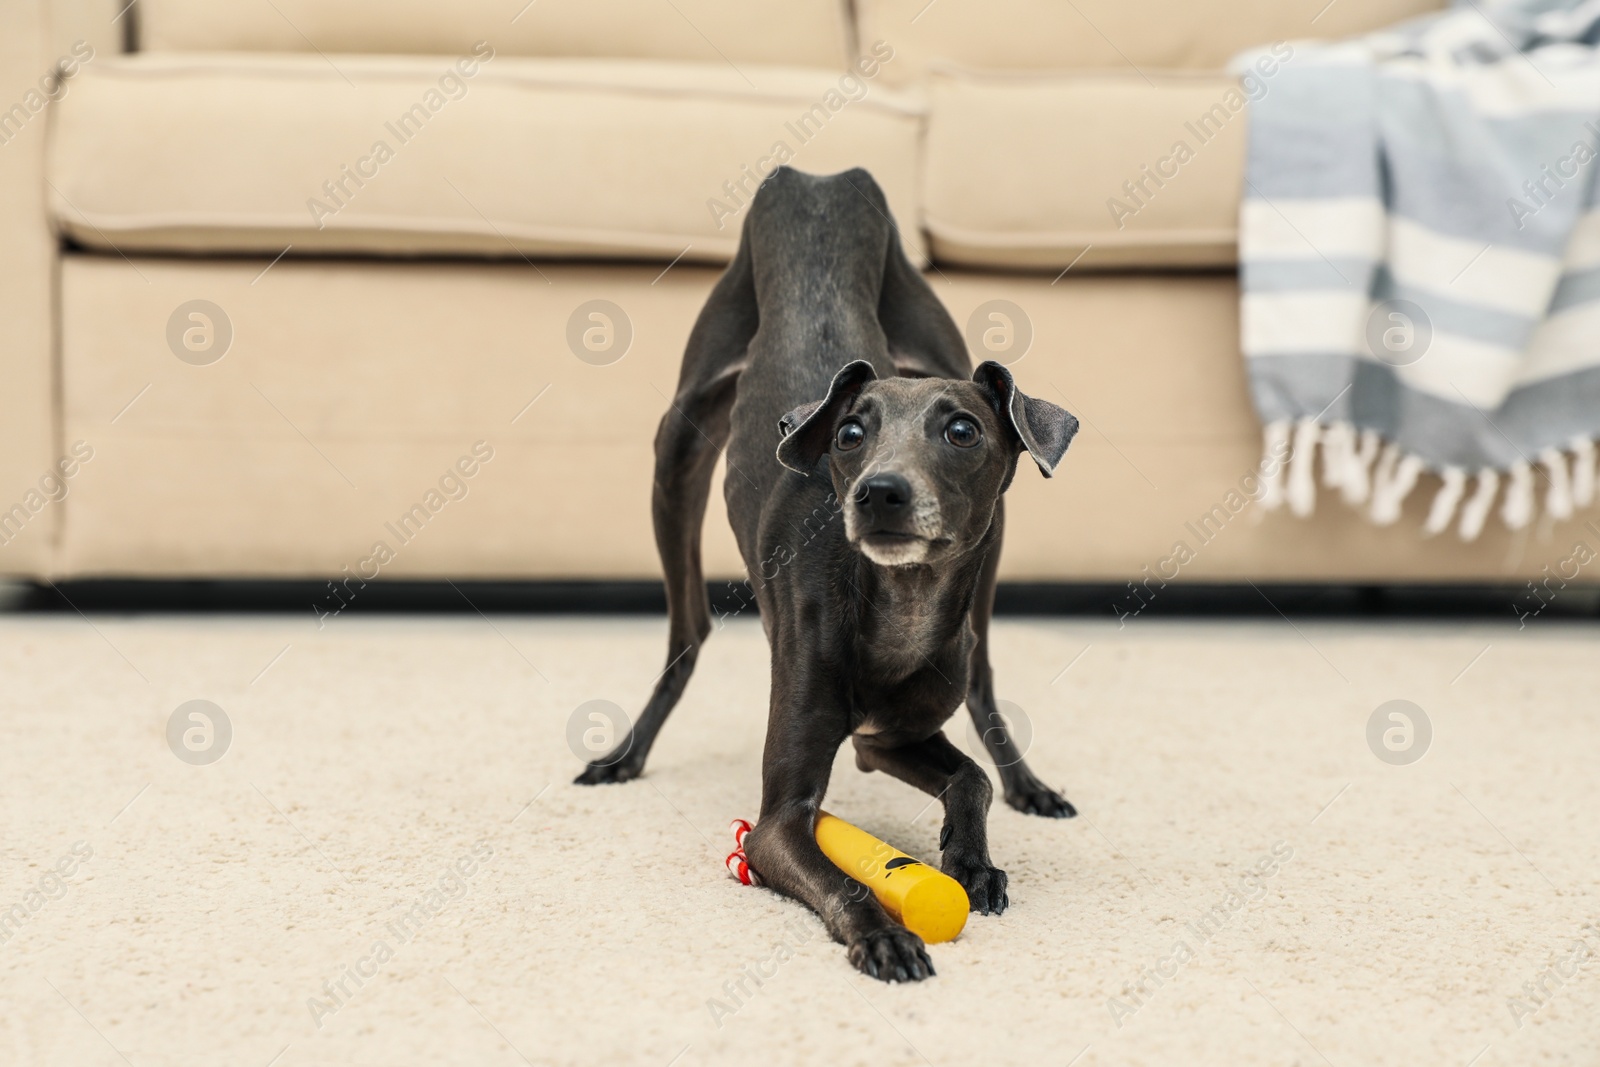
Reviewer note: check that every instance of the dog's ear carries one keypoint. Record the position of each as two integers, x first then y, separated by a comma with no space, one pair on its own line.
1042,428
807,429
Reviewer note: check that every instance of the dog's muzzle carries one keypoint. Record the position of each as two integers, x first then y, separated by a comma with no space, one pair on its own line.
885,520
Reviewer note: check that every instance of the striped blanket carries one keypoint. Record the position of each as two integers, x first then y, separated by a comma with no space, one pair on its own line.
1420,263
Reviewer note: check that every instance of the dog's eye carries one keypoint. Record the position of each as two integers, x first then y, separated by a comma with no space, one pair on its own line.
850,435
963,433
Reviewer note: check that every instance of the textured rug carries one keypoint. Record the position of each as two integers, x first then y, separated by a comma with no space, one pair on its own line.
388,865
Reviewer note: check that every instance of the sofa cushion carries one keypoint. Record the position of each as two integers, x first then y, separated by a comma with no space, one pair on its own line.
1029,171
800,32
480,155
1107,34
352,391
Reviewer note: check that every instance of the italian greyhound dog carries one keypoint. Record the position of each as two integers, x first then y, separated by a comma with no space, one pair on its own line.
866,467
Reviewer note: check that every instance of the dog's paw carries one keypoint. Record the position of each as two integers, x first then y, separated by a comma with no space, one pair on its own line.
1039,799
892,954
985,885
598,773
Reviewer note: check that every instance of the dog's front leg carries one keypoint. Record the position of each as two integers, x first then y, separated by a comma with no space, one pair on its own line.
802,738
939,768
1023,789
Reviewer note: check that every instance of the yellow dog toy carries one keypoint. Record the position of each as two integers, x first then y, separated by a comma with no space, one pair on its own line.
926,901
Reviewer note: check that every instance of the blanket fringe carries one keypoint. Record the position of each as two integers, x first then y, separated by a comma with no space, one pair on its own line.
1402,478
1517,511
1273,438
1367,471
1302,475
1476,512
1558,498
1445,502
1383,475
1358,469
1583,473
1338,450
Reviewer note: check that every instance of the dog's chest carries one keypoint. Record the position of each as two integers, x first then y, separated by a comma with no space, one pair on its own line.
901,648
903,630
911,682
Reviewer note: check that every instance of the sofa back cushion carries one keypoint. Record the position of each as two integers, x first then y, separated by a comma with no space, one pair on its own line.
796,32
465,156
1106,34
1095,168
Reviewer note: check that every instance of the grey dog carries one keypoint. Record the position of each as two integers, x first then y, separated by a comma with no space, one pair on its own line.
866,465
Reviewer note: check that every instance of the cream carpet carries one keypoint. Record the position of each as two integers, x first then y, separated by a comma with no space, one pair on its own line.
389,865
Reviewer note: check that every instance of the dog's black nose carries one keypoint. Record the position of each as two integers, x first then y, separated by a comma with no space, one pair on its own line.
884,497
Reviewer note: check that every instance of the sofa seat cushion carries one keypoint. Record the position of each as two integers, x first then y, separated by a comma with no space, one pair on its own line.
436,410
1122,170
473,155
797,32
1126,35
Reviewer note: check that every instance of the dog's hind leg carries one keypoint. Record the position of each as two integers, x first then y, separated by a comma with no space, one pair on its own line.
691,436
1023,789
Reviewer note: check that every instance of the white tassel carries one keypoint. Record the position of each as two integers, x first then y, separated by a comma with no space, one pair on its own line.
1558,499
1338,451
1476,511
1406,479
1446,501
1302,469
1358,475
1274,436
1402,478
1383,473
1517,511
1582,472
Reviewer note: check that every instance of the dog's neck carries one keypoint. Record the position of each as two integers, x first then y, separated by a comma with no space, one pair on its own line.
911,614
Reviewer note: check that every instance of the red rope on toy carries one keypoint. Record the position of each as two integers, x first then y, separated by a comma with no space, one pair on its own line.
738,863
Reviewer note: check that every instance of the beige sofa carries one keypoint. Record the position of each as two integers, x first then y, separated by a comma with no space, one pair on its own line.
302,289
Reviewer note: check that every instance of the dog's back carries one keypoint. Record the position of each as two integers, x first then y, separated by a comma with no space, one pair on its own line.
816,249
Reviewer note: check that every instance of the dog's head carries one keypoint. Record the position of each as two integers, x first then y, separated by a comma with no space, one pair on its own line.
920,463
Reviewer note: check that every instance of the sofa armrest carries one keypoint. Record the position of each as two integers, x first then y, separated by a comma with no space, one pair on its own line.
30,509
